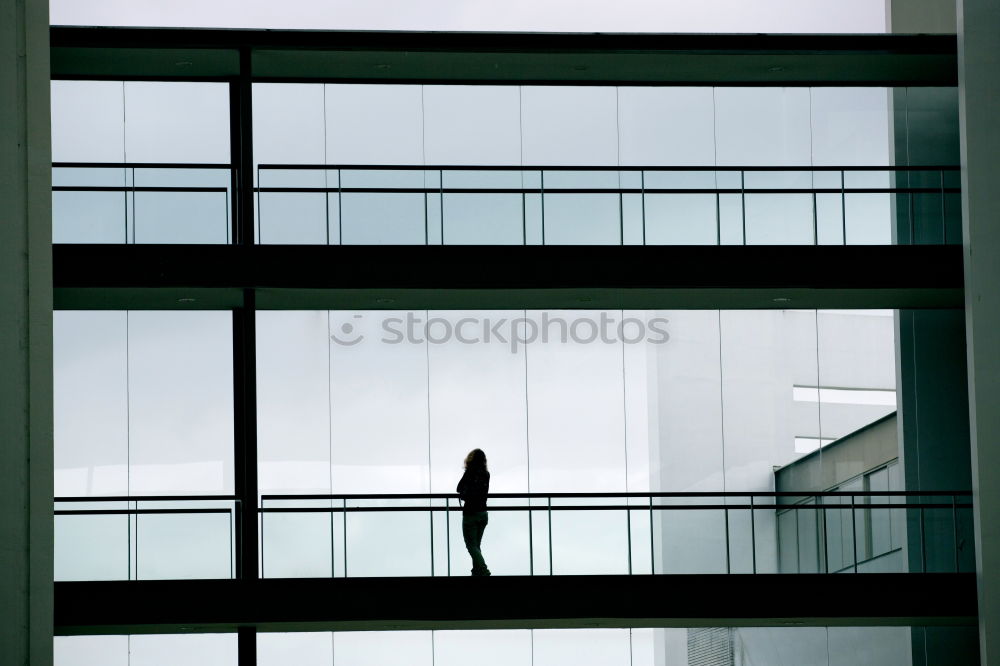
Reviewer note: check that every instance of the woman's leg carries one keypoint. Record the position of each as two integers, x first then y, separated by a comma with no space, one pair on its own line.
472,531
479,539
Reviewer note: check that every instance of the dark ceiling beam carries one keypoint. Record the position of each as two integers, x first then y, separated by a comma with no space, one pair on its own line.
534,277
515,602
526,58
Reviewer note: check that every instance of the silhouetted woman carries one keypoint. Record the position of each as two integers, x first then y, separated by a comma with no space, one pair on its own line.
472,490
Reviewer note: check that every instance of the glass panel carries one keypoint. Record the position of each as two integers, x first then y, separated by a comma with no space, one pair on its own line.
293,403
693,540
788,542
92,547
779,219
589,542
388,543
879,518
808,534
88,121
483,219
379,398
181,217
288,123
666,125
374,124
574,393
477,125
180,386
850,126
88,217
582,219
762,126
298,218
681,219
383,219
298,545
830,220
183,545
177,121
188,649
90,405
505,647
569,125
869,219
477,399
90,651
383,648
299,648
556,647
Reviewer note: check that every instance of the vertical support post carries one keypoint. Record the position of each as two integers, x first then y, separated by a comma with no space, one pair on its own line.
245,431
246,646
854,533
242,150
753,538
26,453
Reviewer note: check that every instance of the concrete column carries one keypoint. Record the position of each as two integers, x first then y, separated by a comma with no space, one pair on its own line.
979,108
25,336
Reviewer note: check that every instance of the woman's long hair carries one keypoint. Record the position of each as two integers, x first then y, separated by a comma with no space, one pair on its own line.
475,461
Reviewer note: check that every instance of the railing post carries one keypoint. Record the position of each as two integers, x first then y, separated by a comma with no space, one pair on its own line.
551,569
843,216
531,540
954,526
447,534
541,190
854,533
753,537
628,529
743,203
728,555
652,541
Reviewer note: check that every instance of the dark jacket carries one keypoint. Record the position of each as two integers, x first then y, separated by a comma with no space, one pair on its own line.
472,490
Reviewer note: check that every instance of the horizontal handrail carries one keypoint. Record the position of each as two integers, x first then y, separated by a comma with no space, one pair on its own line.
784,493
135,188
532,167
145,498
613,507
132,512
139,165
598,190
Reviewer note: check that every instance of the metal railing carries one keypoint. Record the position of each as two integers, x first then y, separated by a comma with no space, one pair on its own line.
531,205
146,537
354,535
159,203
637,199
623,533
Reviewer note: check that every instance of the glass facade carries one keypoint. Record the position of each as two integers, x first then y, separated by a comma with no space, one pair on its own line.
149,162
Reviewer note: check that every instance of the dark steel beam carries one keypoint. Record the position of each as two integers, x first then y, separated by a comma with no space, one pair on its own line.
537,277
539,58
515,602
